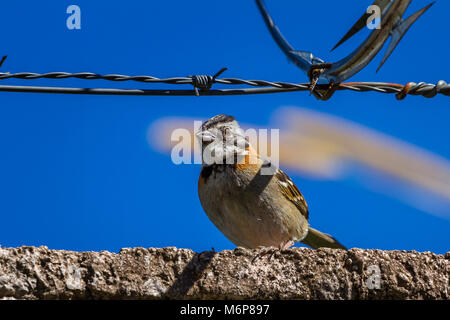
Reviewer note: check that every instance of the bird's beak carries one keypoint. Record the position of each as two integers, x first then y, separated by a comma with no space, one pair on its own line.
205,136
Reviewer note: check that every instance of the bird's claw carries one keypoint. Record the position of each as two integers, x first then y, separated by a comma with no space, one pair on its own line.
272,250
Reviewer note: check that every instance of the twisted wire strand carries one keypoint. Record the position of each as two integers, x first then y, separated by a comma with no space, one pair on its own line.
147,79
203,83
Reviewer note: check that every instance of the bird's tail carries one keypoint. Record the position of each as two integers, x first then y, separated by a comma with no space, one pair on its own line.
316,239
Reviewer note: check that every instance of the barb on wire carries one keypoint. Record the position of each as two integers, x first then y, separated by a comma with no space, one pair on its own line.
3,60
203,82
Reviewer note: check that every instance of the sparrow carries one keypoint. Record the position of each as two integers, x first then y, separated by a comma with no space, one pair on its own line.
253,203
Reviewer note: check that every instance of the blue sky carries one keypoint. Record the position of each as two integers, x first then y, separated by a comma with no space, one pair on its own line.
77,173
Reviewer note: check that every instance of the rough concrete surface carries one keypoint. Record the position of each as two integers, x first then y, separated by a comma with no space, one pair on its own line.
171,273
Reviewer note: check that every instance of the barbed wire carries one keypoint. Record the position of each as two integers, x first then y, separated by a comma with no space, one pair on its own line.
202,85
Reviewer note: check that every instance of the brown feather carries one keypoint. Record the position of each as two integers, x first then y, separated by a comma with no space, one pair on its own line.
291,192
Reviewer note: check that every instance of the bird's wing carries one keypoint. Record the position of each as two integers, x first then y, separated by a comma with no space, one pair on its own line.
362,22
399,31
302,59
291,192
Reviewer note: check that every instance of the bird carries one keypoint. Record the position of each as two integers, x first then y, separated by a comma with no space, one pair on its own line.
392,26
252,202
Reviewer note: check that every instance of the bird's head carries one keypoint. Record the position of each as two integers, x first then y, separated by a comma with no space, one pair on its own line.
222,140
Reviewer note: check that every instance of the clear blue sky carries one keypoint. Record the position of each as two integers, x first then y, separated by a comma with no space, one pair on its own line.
77,173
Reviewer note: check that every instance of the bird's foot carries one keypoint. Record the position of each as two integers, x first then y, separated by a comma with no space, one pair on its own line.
272,250
265,251
286,245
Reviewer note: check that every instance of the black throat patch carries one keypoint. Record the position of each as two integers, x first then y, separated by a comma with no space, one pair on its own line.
214,168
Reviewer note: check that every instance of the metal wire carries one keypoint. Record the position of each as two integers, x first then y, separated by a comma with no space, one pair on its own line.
202,85
147,79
